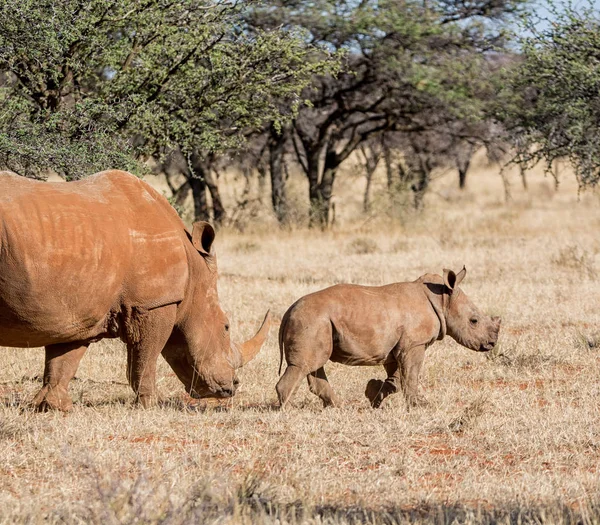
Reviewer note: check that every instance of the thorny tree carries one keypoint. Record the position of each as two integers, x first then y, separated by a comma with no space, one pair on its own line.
92,85
549,101
403,58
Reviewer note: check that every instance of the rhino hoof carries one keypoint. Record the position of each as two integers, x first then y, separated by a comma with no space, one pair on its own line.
147,401
52,399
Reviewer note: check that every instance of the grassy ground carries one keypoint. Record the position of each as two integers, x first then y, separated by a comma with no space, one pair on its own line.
509,436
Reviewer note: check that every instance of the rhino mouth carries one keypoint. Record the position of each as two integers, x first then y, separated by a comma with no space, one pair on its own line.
220,393
487,346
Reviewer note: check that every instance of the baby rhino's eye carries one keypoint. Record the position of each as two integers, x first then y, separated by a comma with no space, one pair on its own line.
474,320
227,327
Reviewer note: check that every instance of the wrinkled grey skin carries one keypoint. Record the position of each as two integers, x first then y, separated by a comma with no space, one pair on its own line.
389,325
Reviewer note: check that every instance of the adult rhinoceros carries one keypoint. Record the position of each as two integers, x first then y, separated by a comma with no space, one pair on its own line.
108,257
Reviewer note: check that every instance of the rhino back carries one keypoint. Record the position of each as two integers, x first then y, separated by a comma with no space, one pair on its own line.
72,253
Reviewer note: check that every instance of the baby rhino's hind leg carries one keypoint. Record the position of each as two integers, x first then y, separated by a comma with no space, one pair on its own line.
307,346
318,384
288,384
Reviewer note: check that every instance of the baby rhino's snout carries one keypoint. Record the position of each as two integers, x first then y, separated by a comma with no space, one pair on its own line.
493,335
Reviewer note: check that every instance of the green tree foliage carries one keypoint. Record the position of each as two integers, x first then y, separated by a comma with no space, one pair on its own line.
92,85
410,66
550,100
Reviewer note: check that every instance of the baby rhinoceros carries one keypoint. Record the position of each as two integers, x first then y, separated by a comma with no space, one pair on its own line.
389,325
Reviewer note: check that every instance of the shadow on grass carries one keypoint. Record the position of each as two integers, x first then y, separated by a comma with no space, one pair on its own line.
215,405
435,514
250,503
22,403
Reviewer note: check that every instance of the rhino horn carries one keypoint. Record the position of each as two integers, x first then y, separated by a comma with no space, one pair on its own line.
250,348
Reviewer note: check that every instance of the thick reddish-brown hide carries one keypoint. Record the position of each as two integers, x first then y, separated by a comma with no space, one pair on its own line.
108,256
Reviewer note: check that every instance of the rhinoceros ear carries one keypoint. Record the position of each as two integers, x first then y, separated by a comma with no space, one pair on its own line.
203,235
452,280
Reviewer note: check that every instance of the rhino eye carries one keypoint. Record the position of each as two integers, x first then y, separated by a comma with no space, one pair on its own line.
474,321
227,327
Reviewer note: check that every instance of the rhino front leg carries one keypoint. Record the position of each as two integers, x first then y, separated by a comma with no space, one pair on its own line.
60,367
378,390
154,328
411,363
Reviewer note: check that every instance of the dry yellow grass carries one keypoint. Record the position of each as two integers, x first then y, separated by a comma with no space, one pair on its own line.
514,433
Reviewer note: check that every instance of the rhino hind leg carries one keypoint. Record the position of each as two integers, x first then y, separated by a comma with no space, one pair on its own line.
319,385
307,347
61,365
288,383
154,328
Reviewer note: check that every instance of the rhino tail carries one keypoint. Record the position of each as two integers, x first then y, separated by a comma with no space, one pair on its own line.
282,329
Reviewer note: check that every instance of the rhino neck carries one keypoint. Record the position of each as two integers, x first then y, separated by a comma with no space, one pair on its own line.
201,289
440,302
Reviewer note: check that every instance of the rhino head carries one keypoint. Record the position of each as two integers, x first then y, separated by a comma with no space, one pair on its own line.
464,322
200,350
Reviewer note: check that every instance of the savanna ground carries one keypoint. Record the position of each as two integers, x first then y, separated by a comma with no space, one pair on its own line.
510,436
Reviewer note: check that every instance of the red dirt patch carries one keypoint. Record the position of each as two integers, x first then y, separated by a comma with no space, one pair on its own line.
153,438
438,477
538,384
568,368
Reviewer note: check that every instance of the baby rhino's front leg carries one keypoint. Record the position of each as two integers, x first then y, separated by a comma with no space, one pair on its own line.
402,373
378,390
412,361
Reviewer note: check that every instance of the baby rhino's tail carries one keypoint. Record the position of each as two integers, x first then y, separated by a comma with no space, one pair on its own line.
282,329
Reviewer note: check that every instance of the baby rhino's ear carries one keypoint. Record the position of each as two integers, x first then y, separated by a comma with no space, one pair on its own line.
452,280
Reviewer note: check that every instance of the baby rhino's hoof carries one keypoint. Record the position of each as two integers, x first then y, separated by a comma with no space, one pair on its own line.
374,392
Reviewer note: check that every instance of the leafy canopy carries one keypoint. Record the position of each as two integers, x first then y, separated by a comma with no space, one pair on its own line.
92,85
550,101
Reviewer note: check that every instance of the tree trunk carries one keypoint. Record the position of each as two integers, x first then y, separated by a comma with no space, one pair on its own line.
202,171
463,161
320,202
389,169
179,194
366,198
523,177
404,176
420,188
314,193
506,183
326,192
217,204
182,193
320,192
262,180
462,178
372,156
276,167
422,183
198,187
320,181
